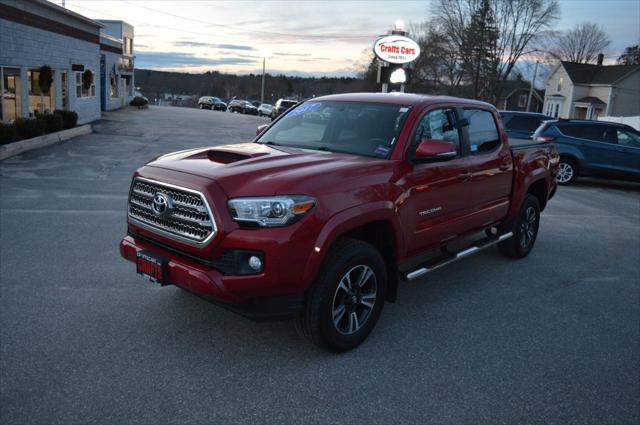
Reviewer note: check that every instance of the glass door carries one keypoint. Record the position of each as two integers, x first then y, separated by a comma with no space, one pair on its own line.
64,89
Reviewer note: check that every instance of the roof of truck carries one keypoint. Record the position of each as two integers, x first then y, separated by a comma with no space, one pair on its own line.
407,99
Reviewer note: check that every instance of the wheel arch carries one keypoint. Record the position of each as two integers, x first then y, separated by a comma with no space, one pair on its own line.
374,223
540,190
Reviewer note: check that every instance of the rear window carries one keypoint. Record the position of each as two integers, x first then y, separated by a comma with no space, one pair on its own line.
524,123
483,132
288,103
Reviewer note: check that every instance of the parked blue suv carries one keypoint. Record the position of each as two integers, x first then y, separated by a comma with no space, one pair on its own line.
593,148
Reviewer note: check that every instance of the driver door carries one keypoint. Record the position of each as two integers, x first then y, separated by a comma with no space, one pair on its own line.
435,197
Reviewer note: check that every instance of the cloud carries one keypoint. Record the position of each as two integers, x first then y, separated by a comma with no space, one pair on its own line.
186,43
291,54
153,60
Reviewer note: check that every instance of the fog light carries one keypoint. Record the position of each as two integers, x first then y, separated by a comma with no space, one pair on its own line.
255,263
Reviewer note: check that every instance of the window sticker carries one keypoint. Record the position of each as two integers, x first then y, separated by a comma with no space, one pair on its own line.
382,150
401,110
474,148
303,109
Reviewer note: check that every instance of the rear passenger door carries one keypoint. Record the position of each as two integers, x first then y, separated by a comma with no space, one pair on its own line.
490,168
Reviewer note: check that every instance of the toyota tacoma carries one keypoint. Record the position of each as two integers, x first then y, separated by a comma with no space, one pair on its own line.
334,205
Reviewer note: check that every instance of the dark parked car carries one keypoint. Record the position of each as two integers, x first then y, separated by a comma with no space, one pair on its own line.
242,106
213,103
522,125
281,106
593,148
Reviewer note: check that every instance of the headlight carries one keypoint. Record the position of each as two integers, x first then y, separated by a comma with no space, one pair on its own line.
272,211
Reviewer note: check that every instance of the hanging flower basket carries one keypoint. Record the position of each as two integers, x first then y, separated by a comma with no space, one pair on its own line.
45,78
87,79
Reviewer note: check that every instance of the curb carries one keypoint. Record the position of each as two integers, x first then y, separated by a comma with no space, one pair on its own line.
22,146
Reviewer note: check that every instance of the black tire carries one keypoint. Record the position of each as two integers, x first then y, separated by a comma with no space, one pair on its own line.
201,106
567,172
328,296
525,229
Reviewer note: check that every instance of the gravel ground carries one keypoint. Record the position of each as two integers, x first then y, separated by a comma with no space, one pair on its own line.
553,338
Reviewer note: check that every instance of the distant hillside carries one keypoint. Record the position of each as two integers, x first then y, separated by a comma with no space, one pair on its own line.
154,83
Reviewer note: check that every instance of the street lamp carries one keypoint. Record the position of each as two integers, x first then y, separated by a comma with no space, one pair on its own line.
262,89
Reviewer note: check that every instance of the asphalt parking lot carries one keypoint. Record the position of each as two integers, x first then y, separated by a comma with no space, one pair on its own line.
553,338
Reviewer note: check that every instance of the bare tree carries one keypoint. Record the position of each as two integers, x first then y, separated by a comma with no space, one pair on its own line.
515,23
631,56
581,44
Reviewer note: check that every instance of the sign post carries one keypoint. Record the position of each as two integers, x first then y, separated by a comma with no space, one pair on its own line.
393,50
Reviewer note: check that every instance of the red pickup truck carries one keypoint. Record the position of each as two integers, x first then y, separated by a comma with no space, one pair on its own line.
334,204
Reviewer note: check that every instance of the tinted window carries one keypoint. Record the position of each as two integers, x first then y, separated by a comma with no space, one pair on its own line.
437,125
598,133
483,133
524,123
570,130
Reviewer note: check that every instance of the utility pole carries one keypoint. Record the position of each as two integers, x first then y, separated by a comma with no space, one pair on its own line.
262,89
533,83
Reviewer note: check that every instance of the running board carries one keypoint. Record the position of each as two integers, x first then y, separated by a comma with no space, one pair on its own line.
445,259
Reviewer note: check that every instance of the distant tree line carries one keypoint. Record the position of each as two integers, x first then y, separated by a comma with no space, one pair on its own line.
154,84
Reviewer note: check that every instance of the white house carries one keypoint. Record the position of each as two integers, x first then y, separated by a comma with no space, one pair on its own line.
587,91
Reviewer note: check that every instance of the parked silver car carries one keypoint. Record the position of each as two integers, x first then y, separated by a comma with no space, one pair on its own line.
265,109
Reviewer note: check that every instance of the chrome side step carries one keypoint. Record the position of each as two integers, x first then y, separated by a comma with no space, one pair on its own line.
445,259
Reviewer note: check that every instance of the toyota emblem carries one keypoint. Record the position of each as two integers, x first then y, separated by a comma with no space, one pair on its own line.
161,204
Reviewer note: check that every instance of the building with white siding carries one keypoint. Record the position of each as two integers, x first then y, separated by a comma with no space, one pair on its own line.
37,33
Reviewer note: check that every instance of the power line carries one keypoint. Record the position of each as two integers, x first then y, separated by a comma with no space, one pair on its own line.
244,29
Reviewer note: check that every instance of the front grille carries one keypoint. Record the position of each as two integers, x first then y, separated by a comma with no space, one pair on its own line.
188,217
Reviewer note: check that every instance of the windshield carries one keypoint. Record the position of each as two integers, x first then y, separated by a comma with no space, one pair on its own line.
368,129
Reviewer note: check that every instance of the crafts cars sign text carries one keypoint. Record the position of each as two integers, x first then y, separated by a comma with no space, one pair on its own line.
396,49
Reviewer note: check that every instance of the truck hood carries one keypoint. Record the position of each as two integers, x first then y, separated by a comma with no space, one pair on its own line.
252,169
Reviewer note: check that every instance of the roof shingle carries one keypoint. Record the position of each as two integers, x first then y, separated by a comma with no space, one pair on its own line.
585,73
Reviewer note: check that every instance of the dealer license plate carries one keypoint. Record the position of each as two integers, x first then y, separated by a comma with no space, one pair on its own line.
152,267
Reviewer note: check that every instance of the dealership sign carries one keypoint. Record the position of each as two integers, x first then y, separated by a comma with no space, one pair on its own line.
396,49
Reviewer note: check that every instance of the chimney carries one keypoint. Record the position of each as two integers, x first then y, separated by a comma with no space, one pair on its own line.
600,59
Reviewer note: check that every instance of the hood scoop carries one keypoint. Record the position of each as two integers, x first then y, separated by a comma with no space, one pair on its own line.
225,157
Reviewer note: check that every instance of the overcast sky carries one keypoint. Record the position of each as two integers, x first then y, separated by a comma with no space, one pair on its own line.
299,37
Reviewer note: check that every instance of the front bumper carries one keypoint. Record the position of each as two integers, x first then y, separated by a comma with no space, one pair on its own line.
225,291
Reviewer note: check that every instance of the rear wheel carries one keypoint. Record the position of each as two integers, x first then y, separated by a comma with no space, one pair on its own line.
346,300
567,172
525,229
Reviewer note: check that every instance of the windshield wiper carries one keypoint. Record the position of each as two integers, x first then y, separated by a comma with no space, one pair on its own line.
270,143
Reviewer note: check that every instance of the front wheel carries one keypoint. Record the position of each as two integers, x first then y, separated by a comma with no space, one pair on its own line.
346,300
525,229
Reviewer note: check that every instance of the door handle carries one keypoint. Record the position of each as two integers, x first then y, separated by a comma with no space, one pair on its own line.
504,167
464,176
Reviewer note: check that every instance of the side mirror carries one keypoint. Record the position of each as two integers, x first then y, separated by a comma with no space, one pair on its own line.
436,149
261,129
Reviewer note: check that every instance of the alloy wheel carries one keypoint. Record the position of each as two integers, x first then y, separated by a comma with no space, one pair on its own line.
354,299
528,227
565,172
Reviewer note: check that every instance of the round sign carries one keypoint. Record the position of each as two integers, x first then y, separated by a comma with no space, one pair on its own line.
396,49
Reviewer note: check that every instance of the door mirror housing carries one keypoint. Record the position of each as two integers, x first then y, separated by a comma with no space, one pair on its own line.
261,129
436,149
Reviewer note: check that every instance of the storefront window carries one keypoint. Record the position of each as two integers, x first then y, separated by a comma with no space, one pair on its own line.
39,101
11,89
113,85
81,90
